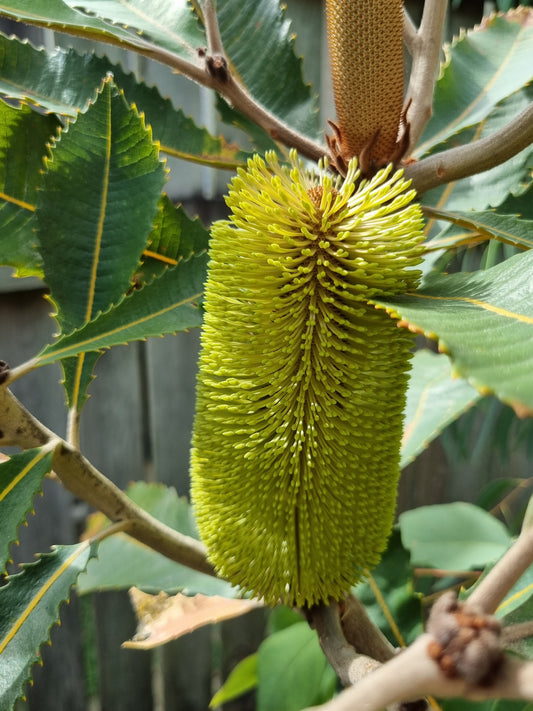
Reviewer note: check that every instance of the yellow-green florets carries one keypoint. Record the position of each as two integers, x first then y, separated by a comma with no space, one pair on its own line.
302,382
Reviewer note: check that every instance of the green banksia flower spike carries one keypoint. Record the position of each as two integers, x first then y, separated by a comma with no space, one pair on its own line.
302,382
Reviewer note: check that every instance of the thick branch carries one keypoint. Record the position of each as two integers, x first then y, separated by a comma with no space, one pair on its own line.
19,427
413,674
425,50
476,157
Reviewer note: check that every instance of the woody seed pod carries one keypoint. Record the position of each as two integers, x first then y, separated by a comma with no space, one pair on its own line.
302,382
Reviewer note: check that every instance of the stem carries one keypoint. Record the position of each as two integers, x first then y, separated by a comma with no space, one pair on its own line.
492,589
426,50
409,32
19,427
476,157
214,40
412,674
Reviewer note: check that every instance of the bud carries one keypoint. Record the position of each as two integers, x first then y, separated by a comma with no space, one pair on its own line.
302,382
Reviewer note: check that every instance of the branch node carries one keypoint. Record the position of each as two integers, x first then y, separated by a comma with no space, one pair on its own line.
4,371
467,642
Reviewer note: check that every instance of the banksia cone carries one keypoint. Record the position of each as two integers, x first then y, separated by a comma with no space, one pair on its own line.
302,382
366,52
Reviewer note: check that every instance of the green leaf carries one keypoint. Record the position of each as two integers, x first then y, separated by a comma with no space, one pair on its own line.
23,138
510,229
484,65
123,562
30,603
242,679
65,82
259,30
434,399
174,237
99,197
167,305
21,478
484,322
169,25
492,187
458,536
292,670
56,15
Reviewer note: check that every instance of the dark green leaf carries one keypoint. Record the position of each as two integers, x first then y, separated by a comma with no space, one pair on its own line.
259,30
99,197
458,536
169,25
65,82
21,478
23,138
174,237
123,562
292,670
57,15
492,187
510,229
484,322
434,399
167,305
30,606
484,65
242,679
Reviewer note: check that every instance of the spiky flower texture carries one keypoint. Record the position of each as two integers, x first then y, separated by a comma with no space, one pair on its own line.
302,382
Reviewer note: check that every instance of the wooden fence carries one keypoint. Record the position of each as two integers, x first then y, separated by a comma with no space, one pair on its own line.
137,425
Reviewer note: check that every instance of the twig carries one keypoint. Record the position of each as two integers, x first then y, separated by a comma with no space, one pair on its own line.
349,664
214,40
409,31
476,157
492,589
425,50
19,427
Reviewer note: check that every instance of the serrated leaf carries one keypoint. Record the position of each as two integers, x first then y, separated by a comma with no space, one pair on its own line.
100,194
162,618
170,25
492,187
510,229
292,670
29,606
484,322
56,15
241,680
434,399
23,138
21,479
259,30
167,305
65,82
124,563
175,237
483,66
458,536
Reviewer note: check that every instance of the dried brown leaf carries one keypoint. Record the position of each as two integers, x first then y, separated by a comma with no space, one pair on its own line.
162,618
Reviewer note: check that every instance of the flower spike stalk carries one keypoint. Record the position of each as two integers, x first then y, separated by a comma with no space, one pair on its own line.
302,382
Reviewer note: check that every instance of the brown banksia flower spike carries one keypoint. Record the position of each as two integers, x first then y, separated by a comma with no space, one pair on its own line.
366,53
302,382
